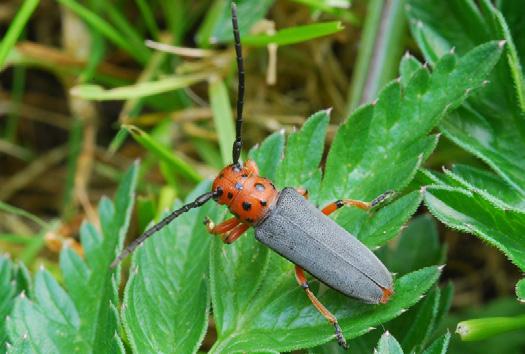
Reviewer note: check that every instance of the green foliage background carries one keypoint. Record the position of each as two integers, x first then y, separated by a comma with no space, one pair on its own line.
465,86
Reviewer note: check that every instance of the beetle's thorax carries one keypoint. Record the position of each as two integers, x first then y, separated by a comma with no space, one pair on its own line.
247,195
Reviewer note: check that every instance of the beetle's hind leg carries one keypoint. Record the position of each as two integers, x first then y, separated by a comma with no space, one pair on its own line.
301,279
330,208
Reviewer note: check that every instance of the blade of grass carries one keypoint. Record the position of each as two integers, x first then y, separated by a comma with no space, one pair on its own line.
20,212
16,28
149,18
142,89
379,53
222,116
17,93
174,161
106,29
326,6
75,144
293,35
127,29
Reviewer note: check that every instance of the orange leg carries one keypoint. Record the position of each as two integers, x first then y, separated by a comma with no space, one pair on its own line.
301,279
330,208
223,227
252,167
234,234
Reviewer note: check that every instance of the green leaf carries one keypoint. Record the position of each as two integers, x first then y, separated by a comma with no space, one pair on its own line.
470,212
490,186
249,324
293,35
439,346
8,290
217,26
388,345
409,65
304,151
377,228
417,247
376,138
491,125
269,154
380,147
414,328
82,317
520,290
138,90
166,297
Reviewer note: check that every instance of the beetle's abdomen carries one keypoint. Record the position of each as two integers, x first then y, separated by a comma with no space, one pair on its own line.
301,233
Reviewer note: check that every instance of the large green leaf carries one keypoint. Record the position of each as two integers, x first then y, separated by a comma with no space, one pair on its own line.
490,186
379,148
470,212
83,316
492,125
381,145
166,299
417,247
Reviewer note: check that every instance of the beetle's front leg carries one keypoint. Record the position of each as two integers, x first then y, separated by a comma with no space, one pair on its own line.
301,279
229,230
222,228
330,208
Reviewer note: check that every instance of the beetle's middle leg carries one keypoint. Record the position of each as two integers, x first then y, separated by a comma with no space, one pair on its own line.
301,279
330,208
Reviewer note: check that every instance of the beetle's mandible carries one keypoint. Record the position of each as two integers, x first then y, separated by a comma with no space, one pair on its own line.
288,224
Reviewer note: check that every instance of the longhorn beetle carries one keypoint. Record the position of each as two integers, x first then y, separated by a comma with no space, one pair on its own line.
291,226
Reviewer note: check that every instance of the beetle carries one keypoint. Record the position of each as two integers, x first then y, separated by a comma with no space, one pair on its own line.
288,224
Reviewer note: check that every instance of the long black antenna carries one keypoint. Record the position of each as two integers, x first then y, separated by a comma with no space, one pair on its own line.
131,247
237,144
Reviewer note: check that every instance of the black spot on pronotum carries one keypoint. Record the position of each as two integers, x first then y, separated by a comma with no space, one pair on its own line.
246,206
238,186
263,203
259,187
249,220
230,195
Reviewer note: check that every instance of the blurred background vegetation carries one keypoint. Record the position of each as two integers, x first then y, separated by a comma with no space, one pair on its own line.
64,144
